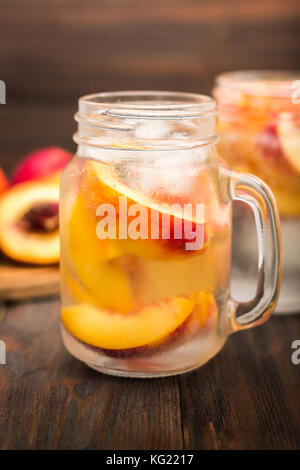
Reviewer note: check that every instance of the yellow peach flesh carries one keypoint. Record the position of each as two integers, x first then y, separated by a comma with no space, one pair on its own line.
107,330
147,327
93,261
30,247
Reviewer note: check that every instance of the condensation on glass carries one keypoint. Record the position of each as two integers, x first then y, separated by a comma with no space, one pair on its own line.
143,304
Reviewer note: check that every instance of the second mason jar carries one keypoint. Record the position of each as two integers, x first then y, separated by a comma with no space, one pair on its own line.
259,129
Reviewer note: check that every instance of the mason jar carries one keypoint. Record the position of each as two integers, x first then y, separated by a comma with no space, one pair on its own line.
259,129
145,226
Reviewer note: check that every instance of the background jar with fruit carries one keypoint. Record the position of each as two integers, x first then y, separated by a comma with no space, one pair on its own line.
259,129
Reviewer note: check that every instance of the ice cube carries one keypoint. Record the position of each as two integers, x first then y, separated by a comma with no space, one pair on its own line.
153,129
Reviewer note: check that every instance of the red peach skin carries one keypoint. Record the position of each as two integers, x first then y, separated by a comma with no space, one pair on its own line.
41,164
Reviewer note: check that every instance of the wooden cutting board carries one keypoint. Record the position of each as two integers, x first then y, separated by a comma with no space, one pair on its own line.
19,281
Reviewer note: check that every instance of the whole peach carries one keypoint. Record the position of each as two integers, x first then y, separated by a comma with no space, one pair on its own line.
40,164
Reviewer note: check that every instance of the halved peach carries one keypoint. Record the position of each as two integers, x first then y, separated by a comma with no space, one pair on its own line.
29,222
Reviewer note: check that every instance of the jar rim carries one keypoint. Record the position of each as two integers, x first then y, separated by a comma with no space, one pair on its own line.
277,83
148,104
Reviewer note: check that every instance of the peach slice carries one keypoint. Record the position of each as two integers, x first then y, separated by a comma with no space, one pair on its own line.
40,164
289,134
205,313
94,264
147,331
29,222
83,237
202,320
107,330
76,293
100,184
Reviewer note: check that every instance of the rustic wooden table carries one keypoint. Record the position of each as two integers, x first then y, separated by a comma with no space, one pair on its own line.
247,397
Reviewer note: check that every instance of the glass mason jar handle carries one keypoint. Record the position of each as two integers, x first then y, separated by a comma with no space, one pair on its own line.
253,192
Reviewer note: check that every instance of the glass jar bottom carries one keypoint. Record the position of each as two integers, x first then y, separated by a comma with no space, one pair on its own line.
148,367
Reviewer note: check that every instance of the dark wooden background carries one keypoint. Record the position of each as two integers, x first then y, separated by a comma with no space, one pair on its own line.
53,51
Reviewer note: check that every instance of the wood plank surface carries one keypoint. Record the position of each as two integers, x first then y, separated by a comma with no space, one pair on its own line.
247,397
20,281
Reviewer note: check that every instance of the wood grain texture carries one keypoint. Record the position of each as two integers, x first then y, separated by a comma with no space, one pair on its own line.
19,281
247,397
53,51
59,50
248,394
